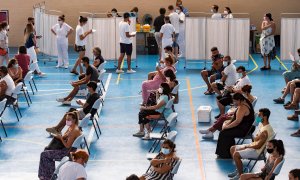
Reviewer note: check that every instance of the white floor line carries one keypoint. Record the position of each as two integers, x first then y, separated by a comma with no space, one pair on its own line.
92,131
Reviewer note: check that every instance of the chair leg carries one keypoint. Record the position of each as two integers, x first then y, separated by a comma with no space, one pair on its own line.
14,108
102,85
95,129
253,166
26,98
34,84
86,145
3,127
19,110
148,168
98,126
31,88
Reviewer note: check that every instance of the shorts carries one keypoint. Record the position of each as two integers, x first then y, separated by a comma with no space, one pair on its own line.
212,72
81,114
175,44
246,153
291,75
158,39
126,48
79,48
225,100
220,86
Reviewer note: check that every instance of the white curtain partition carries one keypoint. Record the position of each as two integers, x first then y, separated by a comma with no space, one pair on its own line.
231,36
38,14
107,37
290,37
194,38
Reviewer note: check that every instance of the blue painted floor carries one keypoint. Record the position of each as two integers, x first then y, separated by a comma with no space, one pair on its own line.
117,153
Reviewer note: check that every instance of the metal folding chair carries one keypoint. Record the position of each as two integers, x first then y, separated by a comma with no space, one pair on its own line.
62,162
2,108
84,123
29,78
13,100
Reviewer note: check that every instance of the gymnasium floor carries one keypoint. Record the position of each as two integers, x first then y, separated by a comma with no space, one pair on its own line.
117,153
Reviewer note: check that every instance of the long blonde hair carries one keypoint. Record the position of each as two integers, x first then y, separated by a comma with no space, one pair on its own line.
28,30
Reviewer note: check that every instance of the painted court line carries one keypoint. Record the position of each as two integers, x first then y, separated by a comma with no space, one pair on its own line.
254,62
282,64
119,75
92,131
199,155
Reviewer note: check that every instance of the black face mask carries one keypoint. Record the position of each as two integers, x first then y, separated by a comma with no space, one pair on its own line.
270,151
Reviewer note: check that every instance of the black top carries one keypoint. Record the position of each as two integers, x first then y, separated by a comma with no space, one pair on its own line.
29,42
91,70
90,101
159,22
100,58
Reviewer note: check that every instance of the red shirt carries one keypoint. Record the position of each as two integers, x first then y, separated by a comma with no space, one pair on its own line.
23,61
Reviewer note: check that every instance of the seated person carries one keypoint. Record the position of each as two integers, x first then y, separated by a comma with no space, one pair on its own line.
59,147
164,96
209,133
294,174
229,76
254,149
86,108
15,71
7,84
276,150
294,72
159,78
215,72
133,177
23,60
239,126
74,169
98,57
163,163
290,89
91,75
294,105
226,99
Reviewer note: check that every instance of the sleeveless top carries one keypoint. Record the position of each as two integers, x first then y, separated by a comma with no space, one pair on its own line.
247,121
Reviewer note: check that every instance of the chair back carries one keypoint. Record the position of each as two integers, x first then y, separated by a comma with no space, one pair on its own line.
172,119
78,141
17,90
101,75
175,89
176,167
278,167
102,66
2,106
33,66
170,103
85,121
28,76
62,162
96,104
172,136
254,101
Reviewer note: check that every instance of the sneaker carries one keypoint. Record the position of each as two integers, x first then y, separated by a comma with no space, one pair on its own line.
58,66
237,177
52,130
66,67
234,173
146,137
202,131
130,71
118,71
42,74
139,134
279,101
60,99
66,103
209,135
74,72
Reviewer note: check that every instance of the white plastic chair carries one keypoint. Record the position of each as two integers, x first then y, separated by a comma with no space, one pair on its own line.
77,144
254,101
84,123
175,168
101,78
94,110
101,68
278,168
13,100
2,109
29,78
62,162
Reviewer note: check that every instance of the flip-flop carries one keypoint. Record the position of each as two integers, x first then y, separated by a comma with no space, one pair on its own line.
296,134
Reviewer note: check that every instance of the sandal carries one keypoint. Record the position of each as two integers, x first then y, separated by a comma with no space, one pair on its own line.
291,106
293,118
263,68
296,134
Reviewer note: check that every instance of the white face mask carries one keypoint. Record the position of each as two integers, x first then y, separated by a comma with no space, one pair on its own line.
225,12
168,79
160,90
225,63
212,11
60,22
69,123
16,66
177,11
240,75
7,28
114,14
165,151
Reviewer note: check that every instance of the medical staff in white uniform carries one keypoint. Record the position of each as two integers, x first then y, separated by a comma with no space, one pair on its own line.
181,37
167,34
62,31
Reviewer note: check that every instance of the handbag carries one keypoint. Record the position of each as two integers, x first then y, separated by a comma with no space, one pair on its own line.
55,144
3,52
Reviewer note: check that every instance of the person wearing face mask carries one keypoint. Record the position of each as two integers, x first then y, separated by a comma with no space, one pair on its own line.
114,13
267,41
59,147
80,43
227,13
216,14
62,31
163,96
276,151
163,163
134,13
167,32
7,84
4,51
294,174
23,60
184,10
174,20
91,74
158,23
98,57
75,169
15,71
158,78
238,126
294,72
181,37
253,150
209,133
229,76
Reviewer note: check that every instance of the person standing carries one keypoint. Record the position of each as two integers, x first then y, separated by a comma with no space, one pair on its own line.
174,19
181,37
215,11
267,41
167,34
125,44
80,43
4,43
62,31
158,23
227,13
184,9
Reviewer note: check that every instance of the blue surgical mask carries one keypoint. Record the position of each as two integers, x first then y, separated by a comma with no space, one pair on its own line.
165,151
240,75
16,66
258,119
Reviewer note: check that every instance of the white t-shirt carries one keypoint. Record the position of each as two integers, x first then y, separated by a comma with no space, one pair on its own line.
71,171
79,32
4,38
174,18
241,82
167,30
61,32
181,18
228,16
230,72
10,84
216,16
124,28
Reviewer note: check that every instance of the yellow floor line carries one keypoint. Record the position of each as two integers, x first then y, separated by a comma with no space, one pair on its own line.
200,160
281,63
254,62
119,75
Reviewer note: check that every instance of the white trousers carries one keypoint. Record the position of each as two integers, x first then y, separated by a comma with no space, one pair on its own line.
33,58
62,51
